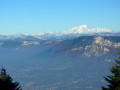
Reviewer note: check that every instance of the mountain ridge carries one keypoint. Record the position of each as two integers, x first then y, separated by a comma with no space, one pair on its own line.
53,36
74,32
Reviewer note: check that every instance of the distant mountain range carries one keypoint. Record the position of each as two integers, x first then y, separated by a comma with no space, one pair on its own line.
75,32
54,36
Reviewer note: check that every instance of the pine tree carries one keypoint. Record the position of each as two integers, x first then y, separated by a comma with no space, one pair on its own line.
6,82
114,79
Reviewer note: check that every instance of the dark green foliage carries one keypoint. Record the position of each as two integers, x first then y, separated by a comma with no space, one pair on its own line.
6,82
114,80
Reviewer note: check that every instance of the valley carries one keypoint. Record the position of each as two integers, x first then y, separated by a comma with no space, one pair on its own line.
75,63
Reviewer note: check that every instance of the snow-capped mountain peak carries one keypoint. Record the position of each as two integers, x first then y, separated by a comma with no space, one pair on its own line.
84,29
71,33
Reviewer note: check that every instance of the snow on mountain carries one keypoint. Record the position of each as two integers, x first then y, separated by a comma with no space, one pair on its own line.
44,35
17,36
74,32
84,29
71,33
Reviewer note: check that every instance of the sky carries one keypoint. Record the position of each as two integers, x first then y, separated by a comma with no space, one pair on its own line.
34,16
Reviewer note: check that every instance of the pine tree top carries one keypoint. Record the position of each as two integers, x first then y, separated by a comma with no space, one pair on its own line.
114,79
6,82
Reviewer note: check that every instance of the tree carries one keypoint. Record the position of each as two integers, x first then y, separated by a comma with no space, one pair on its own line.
6,82
114,79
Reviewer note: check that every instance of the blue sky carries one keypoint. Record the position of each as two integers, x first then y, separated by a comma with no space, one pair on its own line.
34,16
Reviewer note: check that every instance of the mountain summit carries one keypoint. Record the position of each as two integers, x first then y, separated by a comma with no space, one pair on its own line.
84,29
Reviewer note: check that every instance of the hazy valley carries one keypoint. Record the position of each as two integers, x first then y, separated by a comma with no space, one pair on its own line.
75,63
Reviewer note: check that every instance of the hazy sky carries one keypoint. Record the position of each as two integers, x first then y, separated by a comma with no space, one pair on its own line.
34,16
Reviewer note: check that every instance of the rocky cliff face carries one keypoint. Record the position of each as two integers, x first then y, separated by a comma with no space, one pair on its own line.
99,46
89,46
